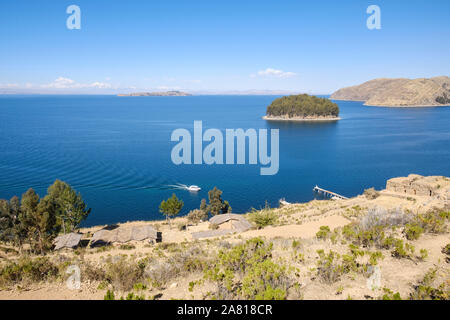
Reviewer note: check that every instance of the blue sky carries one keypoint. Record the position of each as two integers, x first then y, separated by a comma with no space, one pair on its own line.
207,46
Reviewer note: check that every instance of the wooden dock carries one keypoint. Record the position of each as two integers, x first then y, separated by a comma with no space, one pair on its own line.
283,202
329,193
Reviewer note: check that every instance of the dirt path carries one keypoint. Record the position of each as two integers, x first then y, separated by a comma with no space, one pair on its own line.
306,230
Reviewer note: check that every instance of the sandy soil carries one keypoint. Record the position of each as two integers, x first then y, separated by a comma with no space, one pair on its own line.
302,231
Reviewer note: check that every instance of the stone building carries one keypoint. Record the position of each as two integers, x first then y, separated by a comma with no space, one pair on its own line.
416,185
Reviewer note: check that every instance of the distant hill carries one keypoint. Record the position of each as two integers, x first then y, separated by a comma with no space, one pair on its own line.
302,107
399,92
156,94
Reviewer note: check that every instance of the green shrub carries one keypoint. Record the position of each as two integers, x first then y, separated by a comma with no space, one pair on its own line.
196,215
191,286
139,286
413,231
247,271
446,249
434,221
103,285
423,292
263,218
423,254
373,236
93,272
124,273
27,269
181,263
329,269
295,244
374,257
426,291
390,295
323,232
402,250
109,295
265,280
8,250
371,193
127,247
132,296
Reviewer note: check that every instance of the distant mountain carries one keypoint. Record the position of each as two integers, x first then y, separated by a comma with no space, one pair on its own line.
156,94
399,92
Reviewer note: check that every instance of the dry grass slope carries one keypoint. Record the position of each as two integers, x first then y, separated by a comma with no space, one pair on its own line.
399,92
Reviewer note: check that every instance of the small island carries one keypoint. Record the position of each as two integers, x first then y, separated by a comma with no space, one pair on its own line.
156,94
302,107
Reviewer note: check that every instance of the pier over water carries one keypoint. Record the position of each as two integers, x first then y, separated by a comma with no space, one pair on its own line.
328,193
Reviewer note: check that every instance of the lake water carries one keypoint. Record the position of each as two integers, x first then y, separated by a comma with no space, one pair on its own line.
116,150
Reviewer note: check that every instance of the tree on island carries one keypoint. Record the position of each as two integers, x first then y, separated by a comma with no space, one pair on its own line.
171,207
303,106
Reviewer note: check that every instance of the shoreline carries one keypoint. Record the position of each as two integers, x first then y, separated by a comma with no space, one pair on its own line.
395,106
269,118
414,106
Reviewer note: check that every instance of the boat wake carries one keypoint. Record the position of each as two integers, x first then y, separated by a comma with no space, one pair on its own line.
192,188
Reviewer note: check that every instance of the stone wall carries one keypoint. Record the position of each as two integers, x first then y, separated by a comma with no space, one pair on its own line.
416,185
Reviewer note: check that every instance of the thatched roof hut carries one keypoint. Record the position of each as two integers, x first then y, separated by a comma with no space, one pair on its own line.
70,240
234,221
125,234
227,224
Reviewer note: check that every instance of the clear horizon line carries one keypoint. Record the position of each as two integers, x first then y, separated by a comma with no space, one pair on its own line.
191,93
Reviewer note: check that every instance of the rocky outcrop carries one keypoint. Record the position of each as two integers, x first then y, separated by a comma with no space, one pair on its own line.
416,185
399,92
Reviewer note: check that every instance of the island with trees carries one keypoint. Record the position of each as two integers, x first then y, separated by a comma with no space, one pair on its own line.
302,107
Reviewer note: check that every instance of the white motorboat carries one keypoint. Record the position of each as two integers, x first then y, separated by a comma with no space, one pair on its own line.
194,188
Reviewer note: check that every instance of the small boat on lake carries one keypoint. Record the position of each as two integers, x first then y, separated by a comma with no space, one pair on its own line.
194,188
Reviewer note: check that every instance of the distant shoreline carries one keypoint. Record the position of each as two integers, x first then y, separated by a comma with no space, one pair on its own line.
412,106
271,118
396,106
156,94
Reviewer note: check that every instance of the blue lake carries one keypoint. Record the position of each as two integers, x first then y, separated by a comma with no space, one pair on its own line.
116,151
